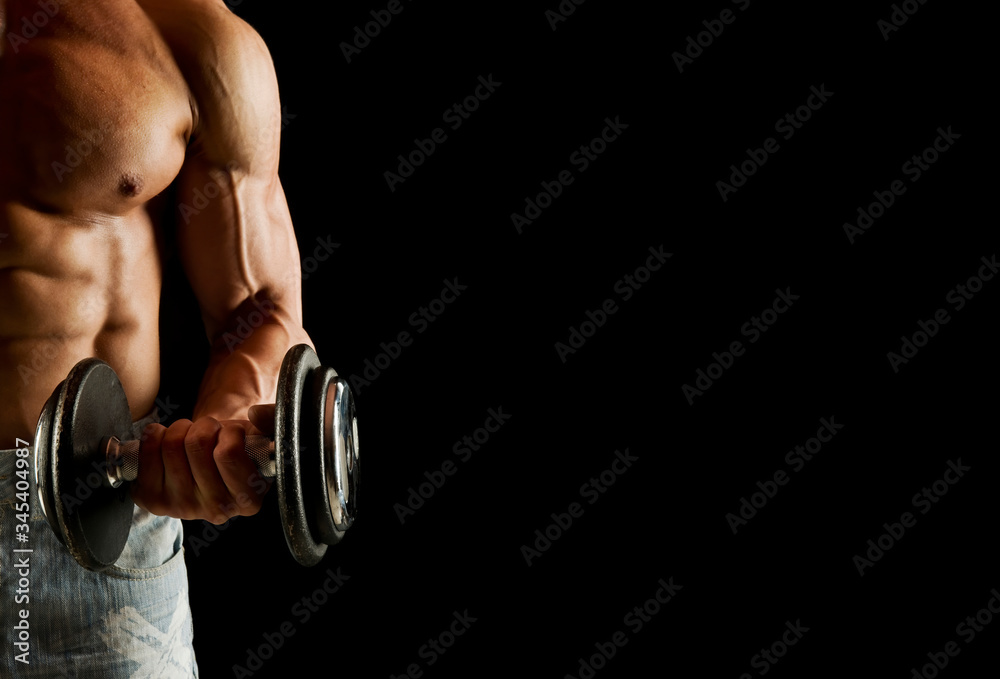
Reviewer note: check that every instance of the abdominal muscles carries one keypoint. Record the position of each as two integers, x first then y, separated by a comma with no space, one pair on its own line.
70,289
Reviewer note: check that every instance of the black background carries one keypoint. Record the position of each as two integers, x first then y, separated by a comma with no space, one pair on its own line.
495,347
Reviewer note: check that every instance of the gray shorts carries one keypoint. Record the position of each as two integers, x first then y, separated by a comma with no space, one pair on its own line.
133,620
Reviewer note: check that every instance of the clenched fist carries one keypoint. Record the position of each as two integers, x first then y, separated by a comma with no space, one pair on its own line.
200,470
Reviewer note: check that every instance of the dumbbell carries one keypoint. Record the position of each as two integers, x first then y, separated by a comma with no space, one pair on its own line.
85,455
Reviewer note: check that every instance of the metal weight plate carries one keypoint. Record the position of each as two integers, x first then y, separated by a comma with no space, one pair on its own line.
292,446
43,462
92,519
311,455
342,440
333,487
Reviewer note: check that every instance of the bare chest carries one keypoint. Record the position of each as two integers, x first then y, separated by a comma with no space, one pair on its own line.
94,112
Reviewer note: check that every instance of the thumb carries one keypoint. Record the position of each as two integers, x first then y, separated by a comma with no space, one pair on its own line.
262,417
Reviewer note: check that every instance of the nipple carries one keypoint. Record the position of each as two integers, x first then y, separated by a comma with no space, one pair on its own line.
130,186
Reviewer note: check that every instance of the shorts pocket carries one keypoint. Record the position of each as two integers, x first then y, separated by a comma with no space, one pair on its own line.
161,571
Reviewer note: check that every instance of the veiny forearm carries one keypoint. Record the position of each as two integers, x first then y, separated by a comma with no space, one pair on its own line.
246,359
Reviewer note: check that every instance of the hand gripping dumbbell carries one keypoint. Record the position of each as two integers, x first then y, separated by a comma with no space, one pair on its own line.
85,455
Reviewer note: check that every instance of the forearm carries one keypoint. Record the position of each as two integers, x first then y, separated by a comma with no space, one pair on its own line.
246,358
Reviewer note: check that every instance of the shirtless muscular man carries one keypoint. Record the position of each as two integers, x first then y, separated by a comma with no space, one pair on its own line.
114,114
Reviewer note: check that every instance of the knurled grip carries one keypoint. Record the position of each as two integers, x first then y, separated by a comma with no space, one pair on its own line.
123,458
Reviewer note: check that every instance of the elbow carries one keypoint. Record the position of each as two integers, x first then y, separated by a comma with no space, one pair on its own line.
260,323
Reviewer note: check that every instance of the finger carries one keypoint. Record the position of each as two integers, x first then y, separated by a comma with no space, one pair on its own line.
211,494
178,483
245,484
262,417
148,485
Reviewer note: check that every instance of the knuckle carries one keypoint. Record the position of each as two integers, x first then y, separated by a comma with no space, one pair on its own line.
231,450
225,454
232,433
180,427
250,504
189,511
223,514
175,435
202,436
155,507
152,432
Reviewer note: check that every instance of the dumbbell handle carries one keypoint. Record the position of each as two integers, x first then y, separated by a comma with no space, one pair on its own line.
123,458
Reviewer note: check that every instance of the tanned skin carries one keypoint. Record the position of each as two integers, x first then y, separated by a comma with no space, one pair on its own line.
177,94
